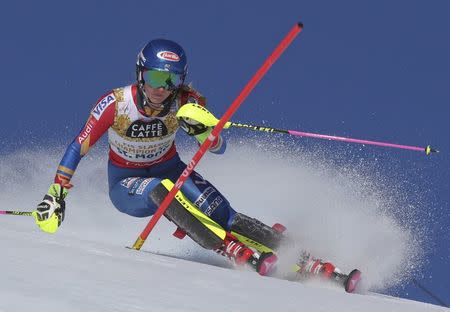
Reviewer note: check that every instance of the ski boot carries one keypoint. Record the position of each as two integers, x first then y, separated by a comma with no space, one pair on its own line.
309,267
263,263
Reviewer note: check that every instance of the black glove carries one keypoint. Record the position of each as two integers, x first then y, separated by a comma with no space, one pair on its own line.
191,126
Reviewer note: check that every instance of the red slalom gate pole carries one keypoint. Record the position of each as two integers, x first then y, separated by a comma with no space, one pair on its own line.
216,131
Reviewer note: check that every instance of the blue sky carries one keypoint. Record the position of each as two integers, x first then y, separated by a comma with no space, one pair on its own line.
377,70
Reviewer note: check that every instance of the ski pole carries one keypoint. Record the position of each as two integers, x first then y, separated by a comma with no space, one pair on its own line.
295,30
202,115
428,149
16,213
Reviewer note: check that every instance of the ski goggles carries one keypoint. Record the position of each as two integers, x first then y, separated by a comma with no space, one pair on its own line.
162,79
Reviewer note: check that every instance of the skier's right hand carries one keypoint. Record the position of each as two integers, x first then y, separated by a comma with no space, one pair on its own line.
191,126
50,212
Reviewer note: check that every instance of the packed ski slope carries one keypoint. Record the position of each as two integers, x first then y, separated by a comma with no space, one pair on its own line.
85,267
66,273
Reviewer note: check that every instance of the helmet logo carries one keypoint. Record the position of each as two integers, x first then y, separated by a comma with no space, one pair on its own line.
168,56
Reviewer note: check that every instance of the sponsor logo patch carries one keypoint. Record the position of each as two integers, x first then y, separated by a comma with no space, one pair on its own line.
143,185
168,56
128,182
142,129
86,131
102,105
213,206
204,196
136,186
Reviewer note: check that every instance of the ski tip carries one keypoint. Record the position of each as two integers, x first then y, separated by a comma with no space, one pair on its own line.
300,24
352,281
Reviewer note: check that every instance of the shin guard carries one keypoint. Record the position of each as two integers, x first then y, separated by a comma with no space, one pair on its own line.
256,230
188,218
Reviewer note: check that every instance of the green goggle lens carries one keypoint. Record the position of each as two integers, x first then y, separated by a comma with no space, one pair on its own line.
161,79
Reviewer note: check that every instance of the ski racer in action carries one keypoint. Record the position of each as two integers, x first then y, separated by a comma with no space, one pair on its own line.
143,164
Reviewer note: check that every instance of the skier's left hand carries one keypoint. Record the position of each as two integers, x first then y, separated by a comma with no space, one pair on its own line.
50,212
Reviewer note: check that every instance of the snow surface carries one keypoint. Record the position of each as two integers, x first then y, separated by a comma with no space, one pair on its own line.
85,267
